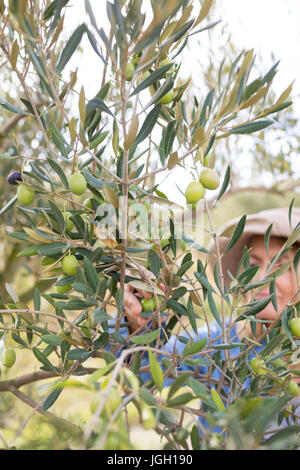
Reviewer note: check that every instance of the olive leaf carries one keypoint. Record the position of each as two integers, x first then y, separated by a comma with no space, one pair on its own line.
251,127
147,338
156,371
237,233
70,47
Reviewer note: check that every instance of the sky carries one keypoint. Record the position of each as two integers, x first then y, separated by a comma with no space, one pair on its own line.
271,27
268,26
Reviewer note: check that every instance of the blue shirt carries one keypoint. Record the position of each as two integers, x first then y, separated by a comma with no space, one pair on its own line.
177,344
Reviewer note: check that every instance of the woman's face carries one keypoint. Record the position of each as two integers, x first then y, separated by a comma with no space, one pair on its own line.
285,283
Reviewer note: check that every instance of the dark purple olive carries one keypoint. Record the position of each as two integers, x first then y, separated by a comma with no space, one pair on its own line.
14,177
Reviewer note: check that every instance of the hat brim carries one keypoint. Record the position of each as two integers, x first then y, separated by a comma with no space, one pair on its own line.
256,224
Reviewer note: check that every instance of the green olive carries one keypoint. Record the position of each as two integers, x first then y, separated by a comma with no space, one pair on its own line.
167,98
114,400
88,203
130,69
25,195
64,289
194,192
209,179
67,216
167,62
250,405
164,242
47,260
8,357
77,184
294,325
69,264
293,388
183,245
148,304
278,362
258,366
143,77
132,414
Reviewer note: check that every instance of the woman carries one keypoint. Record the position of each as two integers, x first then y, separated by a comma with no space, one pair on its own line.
255,239
270,228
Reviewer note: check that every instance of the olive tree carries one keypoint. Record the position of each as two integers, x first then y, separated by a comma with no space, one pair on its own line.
88,214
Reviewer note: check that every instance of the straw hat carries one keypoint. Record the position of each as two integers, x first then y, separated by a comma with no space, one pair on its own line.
256,224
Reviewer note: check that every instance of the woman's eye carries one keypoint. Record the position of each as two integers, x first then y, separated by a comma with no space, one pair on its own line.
281,262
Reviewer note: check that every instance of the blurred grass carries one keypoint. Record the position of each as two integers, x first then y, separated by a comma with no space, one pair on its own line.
249,202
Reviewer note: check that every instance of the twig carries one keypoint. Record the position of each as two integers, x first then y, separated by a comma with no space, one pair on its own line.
119,363
104,167
38,312
33,377
58,422
164,168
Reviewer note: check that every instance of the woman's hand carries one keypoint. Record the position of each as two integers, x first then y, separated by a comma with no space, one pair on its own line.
133,307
